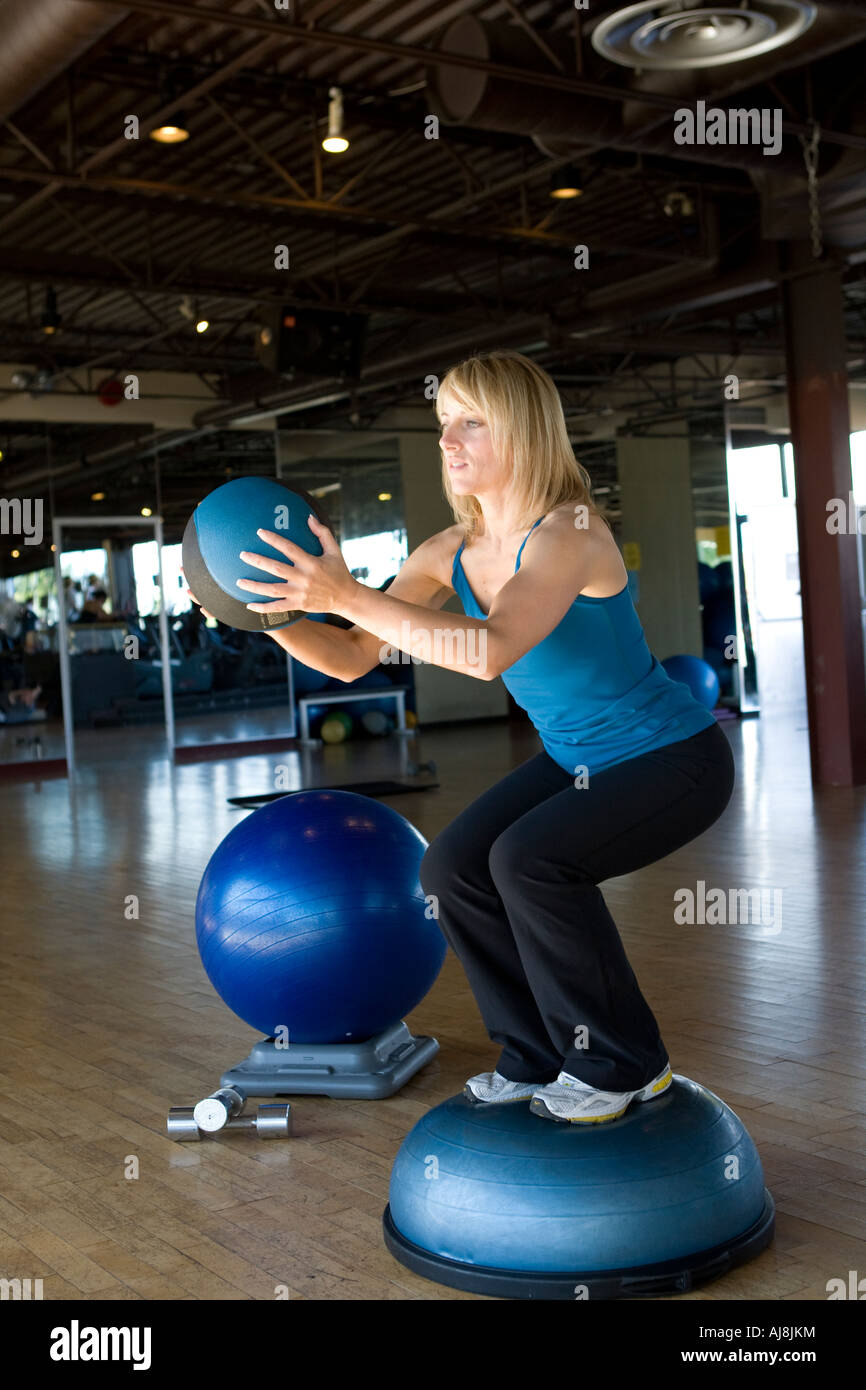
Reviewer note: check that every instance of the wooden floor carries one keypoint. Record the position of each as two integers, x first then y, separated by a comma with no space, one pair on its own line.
106,1022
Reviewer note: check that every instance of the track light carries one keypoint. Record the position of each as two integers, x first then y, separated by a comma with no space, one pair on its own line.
173,132
335,141
50,321
566,183
188,309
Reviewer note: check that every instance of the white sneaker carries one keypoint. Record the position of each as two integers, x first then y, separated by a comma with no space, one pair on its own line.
490,1086
570,1100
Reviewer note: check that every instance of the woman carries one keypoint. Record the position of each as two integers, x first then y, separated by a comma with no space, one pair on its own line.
632,766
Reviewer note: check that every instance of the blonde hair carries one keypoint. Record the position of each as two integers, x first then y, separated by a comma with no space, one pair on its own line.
521,406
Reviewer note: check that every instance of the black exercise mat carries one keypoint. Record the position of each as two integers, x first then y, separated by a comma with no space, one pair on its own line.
363,788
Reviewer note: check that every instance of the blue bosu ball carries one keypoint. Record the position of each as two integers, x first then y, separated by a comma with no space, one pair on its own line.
495,1200
311,917
700,678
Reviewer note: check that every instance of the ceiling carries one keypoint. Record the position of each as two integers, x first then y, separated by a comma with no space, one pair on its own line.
448,245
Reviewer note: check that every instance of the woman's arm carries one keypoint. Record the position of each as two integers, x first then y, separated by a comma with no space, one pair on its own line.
347,653
559,562
328,649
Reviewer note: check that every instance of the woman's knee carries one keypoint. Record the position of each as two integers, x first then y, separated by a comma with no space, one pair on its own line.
451,858
531,853
508,853
439,863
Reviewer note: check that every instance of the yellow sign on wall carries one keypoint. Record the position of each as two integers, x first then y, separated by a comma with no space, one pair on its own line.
631,555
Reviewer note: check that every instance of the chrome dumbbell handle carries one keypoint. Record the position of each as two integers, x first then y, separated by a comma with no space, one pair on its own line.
269,1122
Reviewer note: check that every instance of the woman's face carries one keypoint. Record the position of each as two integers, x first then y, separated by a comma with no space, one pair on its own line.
467,449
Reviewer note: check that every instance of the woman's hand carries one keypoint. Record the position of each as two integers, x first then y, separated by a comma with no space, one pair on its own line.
310,584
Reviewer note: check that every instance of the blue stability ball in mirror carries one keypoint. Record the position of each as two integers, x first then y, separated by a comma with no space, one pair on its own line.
697,674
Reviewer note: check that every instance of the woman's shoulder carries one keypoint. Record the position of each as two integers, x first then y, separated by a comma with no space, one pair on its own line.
570,520
578,516
573,530
437,553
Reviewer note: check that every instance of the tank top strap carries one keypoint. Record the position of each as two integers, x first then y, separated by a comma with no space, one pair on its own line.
525,539
456,561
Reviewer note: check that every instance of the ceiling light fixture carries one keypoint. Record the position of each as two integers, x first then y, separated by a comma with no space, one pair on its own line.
50,321
335,141
566,183
172,132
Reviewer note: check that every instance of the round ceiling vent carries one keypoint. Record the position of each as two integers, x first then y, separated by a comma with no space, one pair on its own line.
667,34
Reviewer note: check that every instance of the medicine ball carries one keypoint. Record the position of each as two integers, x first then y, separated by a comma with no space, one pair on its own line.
223,525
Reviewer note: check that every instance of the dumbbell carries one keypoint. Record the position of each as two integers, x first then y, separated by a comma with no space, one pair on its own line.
215,1111
269,1122
414,768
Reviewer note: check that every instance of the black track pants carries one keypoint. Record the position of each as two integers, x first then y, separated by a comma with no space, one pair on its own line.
516,877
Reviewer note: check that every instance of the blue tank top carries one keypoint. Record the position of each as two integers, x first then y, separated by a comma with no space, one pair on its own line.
593,690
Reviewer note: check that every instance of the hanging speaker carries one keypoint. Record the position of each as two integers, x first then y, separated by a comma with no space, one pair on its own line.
311,342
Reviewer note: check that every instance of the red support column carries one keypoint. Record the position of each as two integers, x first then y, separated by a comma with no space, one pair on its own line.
820,426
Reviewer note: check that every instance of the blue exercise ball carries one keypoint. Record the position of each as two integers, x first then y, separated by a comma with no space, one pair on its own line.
723,667
725,577
700,677
311,916
719,622
496,1200
707,581
223,525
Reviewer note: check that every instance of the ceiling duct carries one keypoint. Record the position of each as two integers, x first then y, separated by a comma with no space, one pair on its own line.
462,96
561,123
660,34
40,40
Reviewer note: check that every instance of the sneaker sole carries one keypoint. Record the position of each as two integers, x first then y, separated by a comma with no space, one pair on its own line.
539,1107
657,1089
510,1100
